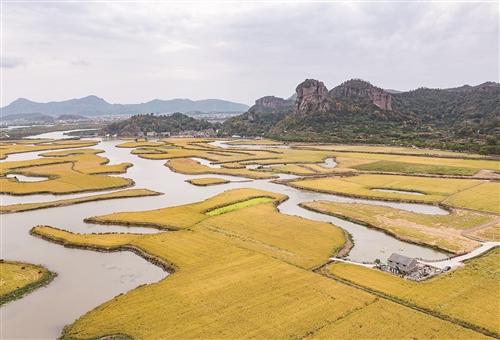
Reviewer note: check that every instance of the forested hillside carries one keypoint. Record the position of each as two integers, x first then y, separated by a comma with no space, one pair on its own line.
464,118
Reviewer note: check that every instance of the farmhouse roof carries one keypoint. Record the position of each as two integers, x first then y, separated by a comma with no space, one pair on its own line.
401,259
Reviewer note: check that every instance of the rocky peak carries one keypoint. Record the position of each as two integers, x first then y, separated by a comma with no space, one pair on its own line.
271,103
269,106
312,96
357,89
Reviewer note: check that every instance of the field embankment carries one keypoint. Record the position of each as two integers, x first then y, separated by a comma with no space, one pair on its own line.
18,279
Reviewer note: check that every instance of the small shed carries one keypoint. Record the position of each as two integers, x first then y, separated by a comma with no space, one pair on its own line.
401,263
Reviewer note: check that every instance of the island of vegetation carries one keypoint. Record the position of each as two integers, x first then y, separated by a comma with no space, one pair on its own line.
445,232
128,193
205,181
456,193
67,171
18,279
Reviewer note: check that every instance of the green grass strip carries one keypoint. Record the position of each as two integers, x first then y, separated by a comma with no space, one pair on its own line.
239,205
410,168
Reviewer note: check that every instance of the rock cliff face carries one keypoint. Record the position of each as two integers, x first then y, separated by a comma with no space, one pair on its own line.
461,118
381,98
359,90
270,103
260,118
312,96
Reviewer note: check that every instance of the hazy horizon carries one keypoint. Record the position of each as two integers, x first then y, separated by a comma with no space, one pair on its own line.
131,52
193,99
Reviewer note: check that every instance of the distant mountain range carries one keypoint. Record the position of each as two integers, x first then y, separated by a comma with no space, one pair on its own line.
92,105
464,118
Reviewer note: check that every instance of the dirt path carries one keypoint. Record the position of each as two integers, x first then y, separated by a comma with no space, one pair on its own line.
468,233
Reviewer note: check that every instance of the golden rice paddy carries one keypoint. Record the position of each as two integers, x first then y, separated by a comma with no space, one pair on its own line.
440,231
205,181
469,294
242,269
22,146
239,274
128,193
460,193
297,157
184,216
69,171
192,167
18,279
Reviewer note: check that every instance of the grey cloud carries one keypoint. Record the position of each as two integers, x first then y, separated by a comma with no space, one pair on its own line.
80,62
244,51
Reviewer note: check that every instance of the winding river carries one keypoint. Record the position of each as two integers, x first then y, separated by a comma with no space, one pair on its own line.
86,278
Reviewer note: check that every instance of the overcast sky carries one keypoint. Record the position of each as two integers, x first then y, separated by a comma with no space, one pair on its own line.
133,52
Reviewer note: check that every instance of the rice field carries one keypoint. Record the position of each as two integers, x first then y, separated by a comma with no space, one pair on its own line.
240,205
294,159
68,171
206,181
414,168
470,294
254,142
432,162
294,169
384,149
249,267
22,146
184,216
440,231
137,143
490,233
18,279
192,167
128,193
460,193
484,197
241,269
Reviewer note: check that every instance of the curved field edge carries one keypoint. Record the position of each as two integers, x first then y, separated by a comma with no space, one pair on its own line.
38,145
223,279
111,219
46,233
188,166
447,233
372,226
445,201
129,193
349,301
238,205
129,183
439,308
46,277
414,168
67,172
206,181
